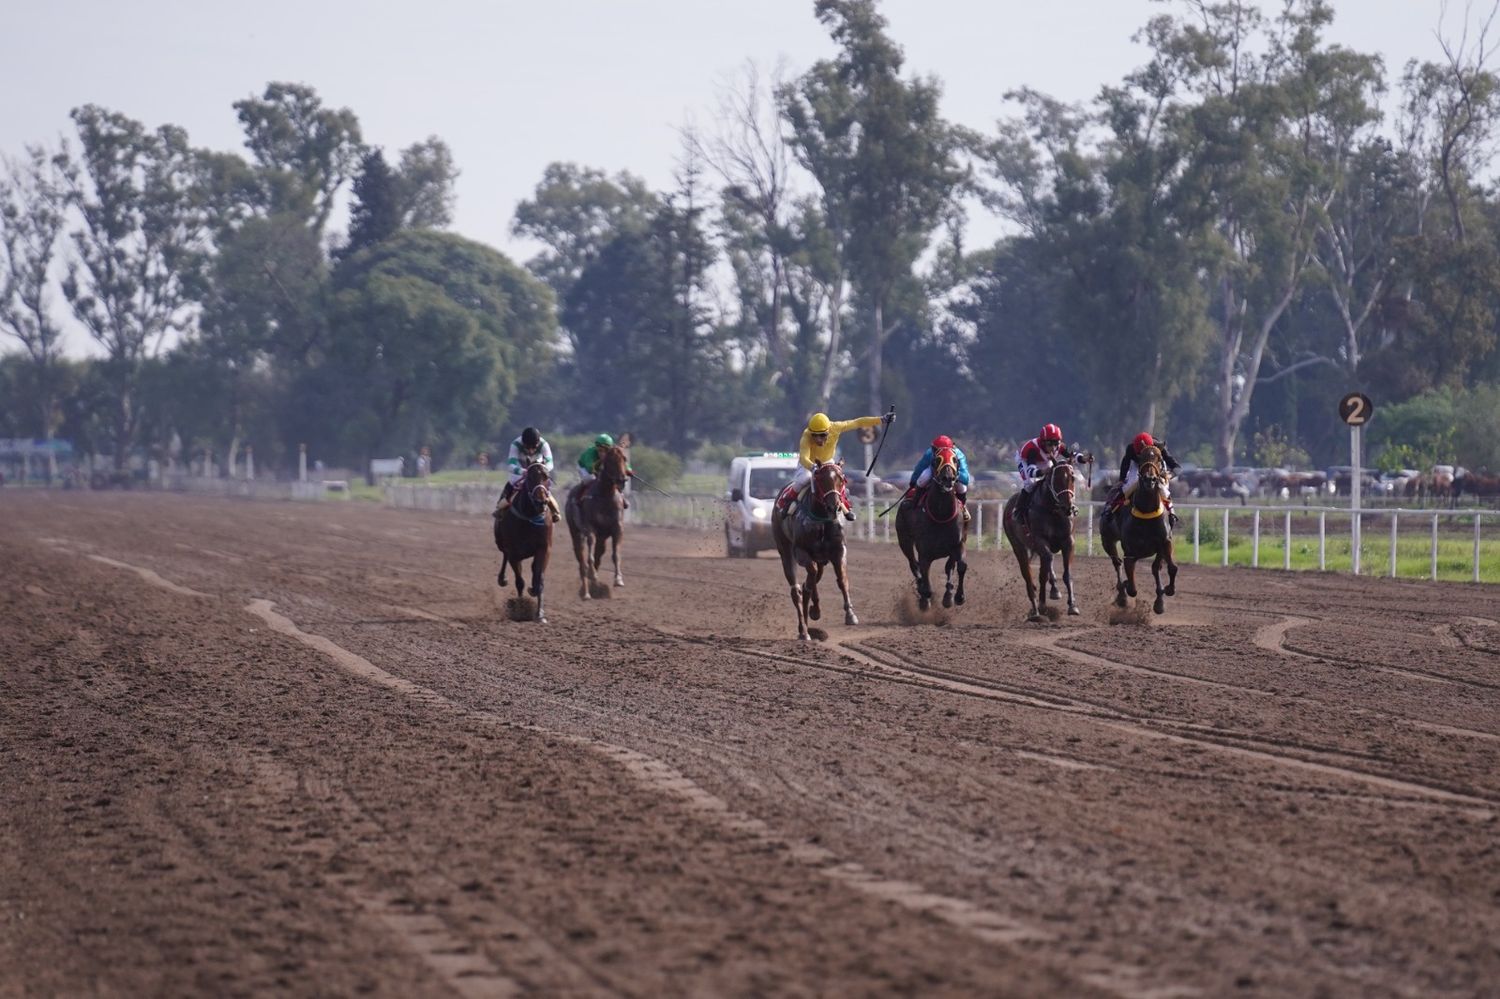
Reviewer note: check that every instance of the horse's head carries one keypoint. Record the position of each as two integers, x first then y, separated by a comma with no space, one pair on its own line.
1147,499
611,466
536,482
1061,483
828,486
945,469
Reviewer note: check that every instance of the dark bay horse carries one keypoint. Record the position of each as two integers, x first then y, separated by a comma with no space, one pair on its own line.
524,531
930,526
813,537
1048,530
595,514
1142,530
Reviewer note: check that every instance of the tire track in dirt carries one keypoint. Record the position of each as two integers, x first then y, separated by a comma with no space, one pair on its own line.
1187,733
983,924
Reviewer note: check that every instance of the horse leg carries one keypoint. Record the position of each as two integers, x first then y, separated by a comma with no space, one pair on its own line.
841,575
585,571
1110,542
1023,559
1067,554
810,591
600,541
963,567
614,554
538,566
1052,582
1129,576
1044,575
789,568
1171,589
948,568
1160,605
924,584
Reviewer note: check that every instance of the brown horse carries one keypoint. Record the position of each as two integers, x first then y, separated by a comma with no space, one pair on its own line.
812,538
595,512
524,531
930,526
1142,529
1048,530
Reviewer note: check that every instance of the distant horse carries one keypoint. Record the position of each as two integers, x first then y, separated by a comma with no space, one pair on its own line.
1048,530
595,513
1476,484
524,531
1142,529
813,537
931,526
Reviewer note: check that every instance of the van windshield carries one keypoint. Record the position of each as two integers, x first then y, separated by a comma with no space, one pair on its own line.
765,483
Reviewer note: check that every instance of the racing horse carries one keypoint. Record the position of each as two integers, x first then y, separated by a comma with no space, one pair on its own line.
813,537
930,526
1048,530
595,513
1142,529
524,531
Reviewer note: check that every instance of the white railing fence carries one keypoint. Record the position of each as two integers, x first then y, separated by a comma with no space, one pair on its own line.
263,489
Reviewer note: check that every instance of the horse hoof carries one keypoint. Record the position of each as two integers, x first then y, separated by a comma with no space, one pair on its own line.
959,600
1130,590
923,603
584,595
1120,599
1160,606
947,600
619,582
804,637
1054,594
814,612
1072,611
540,619
849,618
1034,616
1170,591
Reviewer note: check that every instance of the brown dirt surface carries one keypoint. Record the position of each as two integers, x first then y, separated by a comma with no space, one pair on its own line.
304,749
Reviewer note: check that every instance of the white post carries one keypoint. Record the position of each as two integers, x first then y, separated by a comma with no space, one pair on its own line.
1322,540
249,463
1476,546
1226,537
979,525
999,525
1434,545
1356,474
1394,517
1286,542
1255,541
1088,546
301,462
1196,525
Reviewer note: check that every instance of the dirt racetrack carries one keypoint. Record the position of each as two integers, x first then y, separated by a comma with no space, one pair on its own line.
301,749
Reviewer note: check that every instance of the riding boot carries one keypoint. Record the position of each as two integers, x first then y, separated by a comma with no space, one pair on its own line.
501,506
1022,505
964,505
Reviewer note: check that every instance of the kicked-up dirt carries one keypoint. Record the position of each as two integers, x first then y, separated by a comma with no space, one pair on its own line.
305,749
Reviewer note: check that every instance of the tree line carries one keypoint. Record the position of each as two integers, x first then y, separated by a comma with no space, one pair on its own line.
1215,248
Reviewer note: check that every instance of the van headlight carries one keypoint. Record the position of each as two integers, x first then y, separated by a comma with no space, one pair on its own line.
759,513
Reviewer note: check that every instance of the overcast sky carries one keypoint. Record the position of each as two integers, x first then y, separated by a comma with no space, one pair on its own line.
512,86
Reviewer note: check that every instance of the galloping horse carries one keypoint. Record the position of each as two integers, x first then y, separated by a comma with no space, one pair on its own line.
813,538
594,515
1142,529
931,526
524,531
1048,529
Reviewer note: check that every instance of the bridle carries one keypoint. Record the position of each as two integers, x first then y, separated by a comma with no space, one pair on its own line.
1059,496
834,487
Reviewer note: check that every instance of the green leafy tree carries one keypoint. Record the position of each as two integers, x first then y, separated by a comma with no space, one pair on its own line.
33,214
425,177
139,251
377,211
304,152
429,335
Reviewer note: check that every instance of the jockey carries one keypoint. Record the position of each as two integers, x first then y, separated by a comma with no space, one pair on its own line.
819,441
1130,471
529,448
922,474
1033,460
590,459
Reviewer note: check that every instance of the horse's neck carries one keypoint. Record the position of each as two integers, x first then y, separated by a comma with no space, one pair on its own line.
1147,499
940,502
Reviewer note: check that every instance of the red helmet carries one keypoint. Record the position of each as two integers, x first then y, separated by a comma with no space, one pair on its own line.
1051,432
1143,440
941,441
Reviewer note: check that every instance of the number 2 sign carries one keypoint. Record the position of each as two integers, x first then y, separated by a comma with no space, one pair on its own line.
1356,409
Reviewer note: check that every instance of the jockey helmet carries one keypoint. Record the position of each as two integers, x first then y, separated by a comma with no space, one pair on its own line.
1143,440
531,438
941,441
1050,433
604,440
818,424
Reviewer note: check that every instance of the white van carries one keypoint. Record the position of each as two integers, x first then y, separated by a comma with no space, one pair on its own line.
754,481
